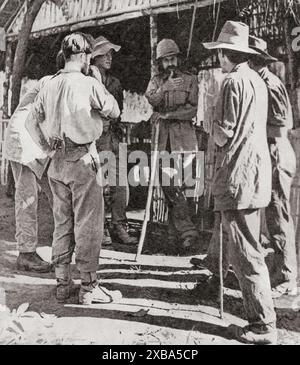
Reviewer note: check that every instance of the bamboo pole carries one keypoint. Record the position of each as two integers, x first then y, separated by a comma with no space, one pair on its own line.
153,42
150,193
7,82
221,272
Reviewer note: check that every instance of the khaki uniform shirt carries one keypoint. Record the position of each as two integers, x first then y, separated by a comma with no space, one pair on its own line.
179,130
71,105
280,110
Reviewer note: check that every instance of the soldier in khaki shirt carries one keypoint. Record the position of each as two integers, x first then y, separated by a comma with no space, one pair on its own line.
278,213
174,96
65,121
110,142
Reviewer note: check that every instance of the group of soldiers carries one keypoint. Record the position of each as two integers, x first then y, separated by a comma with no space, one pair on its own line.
73,115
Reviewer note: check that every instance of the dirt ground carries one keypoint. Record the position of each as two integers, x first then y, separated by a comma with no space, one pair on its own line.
158,304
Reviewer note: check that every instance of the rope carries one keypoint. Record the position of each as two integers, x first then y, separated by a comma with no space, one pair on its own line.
217,21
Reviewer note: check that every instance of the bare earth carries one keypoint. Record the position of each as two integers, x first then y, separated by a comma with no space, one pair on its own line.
158,305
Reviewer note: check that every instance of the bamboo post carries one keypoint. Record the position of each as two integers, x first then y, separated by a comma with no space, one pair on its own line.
292,69
6,113
221,272
7,82
150,193
153,42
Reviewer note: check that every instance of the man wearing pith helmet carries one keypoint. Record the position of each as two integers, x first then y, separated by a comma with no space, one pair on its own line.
174,97
102,57
278,214
242,180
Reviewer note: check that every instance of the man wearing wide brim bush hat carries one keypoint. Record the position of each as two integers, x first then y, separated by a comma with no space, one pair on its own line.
102,46
242,179
111,142
278,214
235,37
261,47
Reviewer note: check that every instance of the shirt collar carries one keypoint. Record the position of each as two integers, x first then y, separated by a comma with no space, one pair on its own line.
240,66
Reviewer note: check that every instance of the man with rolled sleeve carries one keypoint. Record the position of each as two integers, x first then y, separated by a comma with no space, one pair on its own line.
65,121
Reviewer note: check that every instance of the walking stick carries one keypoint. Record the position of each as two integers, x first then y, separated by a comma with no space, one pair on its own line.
221,272
150,193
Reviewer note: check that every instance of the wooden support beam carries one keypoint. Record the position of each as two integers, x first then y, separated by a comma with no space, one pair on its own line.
118,16
153,43
7,82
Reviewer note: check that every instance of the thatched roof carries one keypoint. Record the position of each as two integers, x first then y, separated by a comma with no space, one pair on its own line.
8,10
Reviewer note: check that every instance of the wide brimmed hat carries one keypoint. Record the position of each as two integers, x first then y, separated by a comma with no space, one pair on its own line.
233,36
261,46
103,46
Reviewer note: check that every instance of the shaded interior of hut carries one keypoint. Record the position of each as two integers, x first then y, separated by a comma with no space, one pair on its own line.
132,65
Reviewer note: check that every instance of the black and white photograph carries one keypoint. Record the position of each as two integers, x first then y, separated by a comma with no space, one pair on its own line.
149,175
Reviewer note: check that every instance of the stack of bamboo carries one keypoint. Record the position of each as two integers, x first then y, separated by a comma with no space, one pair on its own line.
136,108
210,82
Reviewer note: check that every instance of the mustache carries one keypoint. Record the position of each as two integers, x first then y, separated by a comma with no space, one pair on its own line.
171,68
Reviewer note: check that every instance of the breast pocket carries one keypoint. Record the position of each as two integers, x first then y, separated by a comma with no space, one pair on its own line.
176,98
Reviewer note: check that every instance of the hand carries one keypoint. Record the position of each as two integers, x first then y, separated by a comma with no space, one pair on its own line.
51,154
171,83
164,116
155,117
94,72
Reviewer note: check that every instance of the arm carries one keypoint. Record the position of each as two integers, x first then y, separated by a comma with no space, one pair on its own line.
154,92
32,124
280,110
103,101
187,112
223,129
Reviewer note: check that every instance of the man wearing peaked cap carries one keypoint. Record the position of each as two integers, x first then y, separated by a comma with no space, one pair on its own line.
278,214
242,179
110,140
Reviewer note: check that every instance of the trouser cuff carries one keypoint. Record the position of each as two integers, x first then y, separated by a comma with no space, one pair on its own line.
88,278
62,273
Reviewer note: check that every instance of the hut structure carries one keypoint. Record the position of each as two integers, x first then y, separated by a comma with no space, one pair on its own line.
137,25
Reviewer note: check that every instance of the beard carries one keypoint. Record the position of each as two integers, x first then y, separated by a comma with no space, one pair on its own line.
171,69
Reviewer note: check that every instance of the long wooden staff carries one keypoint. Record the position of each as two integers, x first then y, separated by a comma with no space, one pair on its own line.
221,271
150,192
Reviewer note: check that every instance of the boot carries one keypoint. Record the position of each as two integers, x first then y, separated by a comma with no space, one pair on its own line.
31,261
91,292
255,334
63,286
120,234
199,263
106,238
